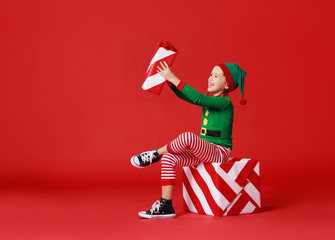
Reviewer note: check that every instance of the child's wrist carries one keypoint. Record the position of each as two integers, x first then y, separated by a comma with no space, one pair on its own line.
174,80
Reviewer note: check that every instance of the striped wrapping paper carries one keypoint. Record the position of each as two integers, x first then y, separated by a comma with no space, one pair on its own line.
154,82
221,189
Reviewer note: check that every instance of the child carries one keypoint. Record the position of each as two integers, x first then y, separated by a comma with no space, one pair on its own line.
188,149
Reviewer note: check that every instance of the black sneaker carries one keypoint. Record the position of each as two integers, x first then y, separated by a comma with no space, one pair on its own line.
160,209
145,159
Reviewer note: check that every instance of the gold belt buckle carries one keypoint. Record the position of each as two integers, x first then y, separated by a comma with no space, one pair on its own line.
205,131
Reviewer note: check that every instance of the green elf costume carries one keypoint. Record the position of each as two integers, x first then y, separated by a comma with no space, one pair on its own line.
217,112
188,149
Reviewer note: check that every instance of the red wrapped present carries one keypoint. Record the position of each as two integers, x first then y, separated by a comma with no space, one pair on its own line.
154,82
221,189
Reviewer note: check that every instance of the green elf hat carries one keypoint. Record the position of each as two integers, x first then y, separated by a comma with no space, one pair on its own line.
235,77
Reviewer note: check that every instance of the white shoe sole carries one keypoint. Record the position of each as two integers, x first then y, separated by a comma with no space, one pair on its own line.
132,161
144,215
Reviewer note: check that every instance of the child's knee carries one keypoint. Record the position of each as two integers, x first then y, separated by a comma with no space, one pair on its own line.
187,137
184,134
168,159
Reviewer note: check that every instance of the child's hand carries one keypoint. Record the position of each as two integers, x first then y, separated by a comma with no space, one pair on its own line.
166,72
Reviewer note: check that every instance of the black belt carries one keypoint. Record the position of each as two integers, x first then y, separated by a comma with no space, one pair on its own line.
206,132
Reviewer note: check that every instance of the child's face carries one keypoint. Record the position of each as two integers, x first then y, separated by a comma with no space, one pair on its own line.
217,81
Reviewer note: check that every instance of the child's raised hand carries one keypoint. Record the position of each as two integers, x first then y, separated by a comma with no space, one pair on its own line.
165,71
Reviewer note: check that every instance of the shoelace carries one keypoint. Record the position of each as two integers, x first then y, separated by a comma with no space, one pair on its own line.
147,157
155,207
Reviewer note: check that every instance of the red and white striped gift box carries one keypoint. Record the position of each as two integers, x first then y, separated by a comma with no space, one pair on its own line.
153,81
221,189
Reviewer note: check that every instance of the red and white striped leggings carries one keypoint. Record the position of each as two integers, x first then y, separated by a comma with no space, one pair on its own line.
189,149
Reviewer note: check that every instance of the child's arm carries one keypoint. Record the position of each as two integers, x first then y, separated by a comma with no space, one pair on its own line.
188,93
177,91
175,84
204,100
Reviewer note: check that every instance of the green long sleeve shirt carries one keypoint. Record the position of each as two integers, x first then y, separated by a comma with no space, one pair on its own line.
217,113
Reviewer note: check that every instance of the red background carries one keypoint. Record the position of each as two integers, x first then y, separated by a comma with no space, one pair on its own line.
73,111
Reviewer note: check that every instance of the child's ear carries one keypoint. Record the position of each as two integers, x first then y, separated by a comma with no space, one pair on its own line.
226,87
